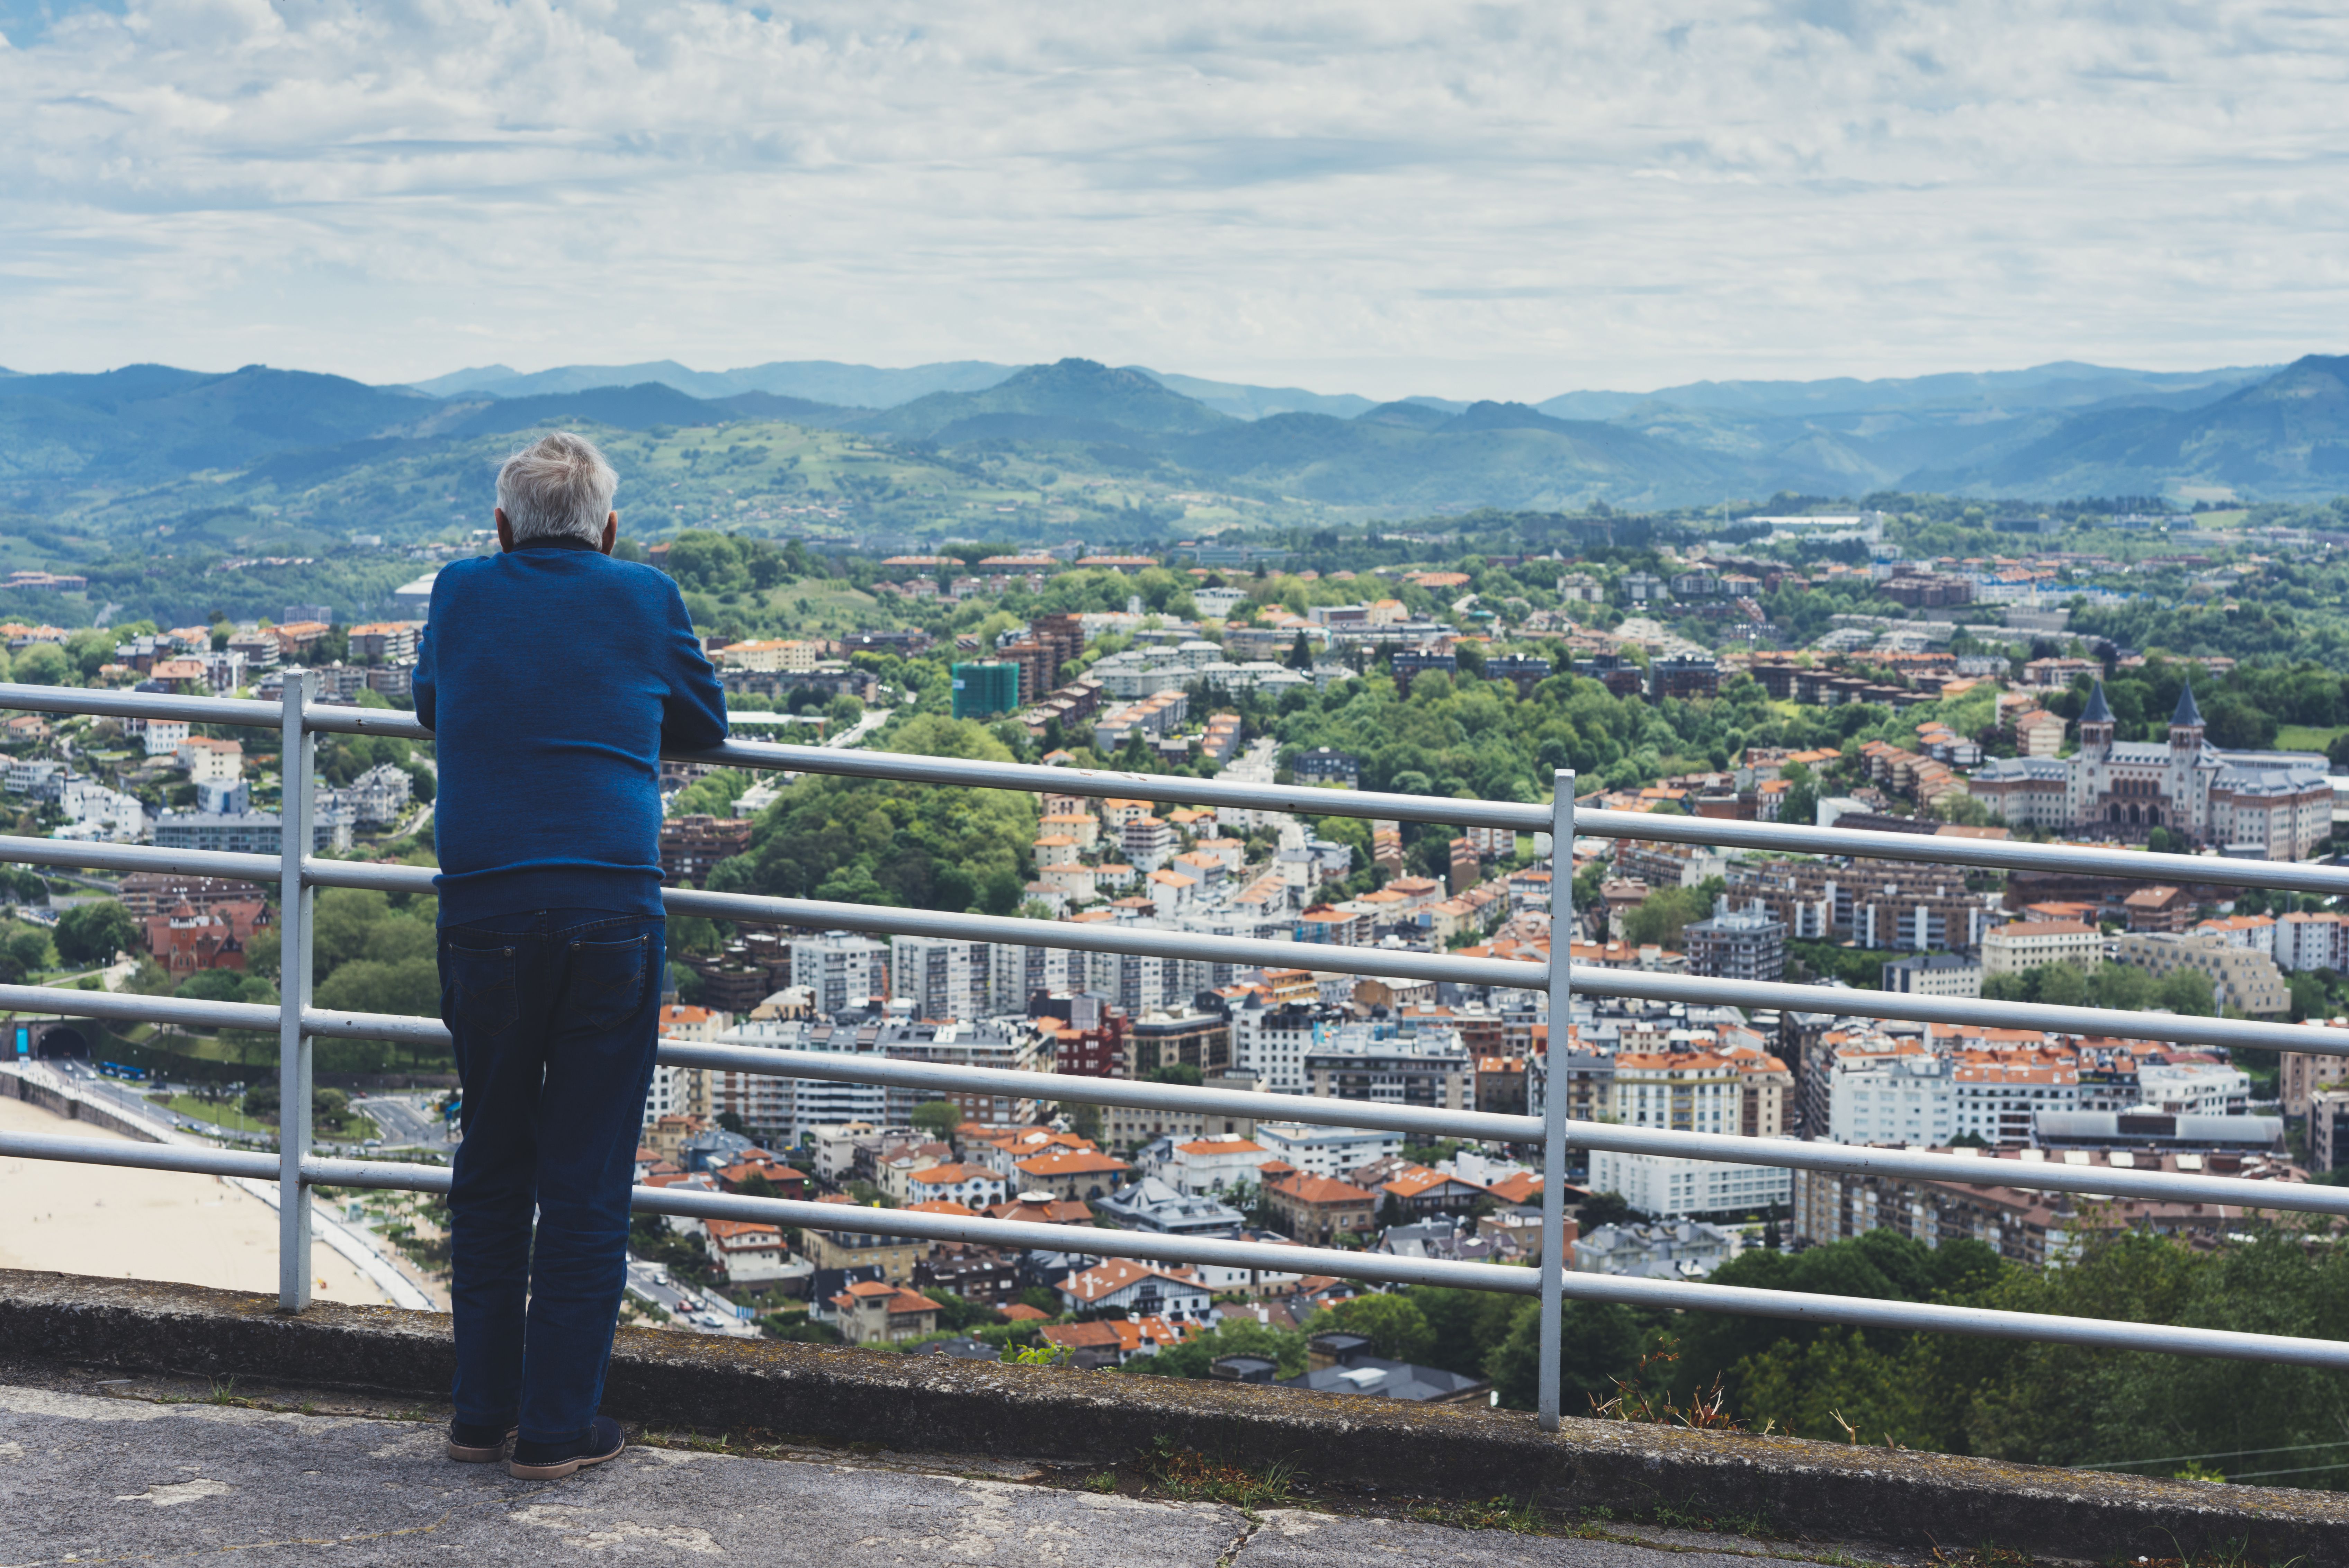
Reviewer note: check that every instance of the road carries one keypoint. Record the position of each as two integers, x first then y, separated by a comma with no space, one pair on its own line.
407,1120
873,719
685,1307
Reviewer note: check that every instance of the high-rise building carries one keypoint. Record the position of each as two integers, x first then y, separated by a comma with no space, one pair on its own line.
986,689
1749,944
843,971
946,979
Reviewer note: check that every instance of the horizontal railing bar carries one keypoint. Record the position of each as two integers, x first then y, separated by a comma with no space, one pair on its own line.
1385,1268
1317,1110
1104,784
1984,1169
134,1008
1870,844
118,704
1721,1148
1131,1093
1703,990
1155,941
1720,832
1382,1268
1146,941
88,855
1982,1322
199,1159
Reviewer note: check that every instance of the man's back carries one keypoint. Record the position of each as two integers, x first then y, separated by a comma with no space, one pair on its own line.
552,676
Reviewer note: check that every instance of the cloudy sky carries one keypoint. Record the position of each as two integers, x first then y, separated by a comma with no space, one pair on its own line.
1467,199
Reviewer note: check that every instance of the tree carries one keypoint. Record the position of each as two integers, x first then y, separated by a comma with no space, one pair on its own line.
1300,655
2062,985
2120,985
1394,1324
938,1118
1284,1347
25,952
1604,1209
2186,991
1598,1342
42,664
93,934
1661,917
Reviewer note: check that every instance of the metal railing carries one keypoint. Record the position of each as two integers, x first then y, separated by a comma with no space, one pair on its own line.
298,1022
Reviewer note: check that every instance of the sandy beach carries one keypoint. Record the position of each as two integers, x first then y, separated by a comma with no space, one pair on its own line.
146,1224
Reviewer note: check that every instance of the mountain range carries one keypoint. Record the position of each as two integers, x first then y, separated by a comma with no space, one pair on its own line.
2054,431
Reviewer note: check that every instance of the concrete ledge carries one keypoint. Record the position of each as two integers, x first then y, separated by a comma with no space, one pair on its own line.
1819,1491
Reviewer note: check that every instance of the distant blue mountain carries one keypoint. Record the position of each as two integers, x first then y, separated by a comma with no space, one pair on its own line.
2054,431
816,380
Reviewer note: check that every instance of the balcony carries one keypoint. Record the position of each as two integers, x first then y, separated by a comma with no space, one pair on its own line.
731,1388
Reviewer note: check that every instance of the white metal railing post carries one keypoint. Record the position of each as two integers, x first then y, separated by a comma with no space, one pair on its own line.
1554,1094
296,771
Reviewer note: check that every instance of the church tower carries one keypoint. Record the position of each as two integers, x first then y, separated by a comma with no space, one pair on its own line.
2188,783
2186,727
2096,727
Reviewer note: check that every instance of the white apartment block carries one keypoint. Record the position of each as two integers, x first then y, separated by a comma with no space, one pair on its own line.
2194,1088
1665,1188
166,737
1908,1098
1333,1152
1273,1043
2027,944
778,1110
1996,1101
208,761
2311,942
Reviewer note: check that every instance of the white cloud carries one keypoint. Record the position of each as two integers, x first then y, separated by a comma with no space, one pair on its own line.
1470,199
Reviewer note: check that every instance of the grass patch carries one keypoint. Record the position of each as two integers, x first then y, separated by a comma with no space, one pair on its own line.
1493,1513
2307,737
220,1113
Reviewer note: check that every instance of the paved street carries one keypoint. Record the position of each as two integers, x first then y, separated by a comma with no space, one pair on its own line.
88,1477
407,1121
649,1281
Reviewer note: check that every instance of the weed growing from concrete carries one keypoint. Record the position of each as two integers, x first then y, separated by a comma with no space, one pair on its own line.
1493,1513
1706,1411
1190,1475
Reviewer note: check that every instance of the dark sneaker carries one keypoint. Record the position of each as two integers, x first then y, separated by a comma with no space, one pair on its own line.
553,1461
471,1444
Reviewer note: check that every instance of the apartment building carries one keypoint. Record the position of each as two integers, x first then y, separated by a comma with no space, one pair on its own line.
2027,944
1875,903
1748,944
2241,978
842,970
1898,1096
1997,1100
1738,1091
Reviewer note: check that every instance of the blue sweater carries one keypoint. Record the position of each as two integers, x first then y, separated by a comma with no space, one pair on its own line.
552,677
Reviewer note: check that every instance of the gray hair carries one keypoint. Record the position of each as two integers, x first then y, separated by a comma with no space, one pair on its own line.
557,486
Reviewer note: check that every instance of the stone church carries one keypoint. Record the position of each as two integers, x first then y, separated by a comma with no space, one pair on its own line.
2271,806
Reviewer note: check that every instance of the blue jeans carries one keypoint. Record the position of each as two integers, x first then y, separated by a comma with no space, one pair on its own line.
554,1015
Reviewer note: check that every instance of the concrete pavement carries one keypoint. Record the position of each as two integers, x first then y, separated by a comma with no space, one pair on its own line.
86,1477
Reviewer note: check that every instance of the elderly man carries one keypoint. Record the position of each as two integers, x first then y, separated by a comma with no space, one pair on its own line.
552,676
